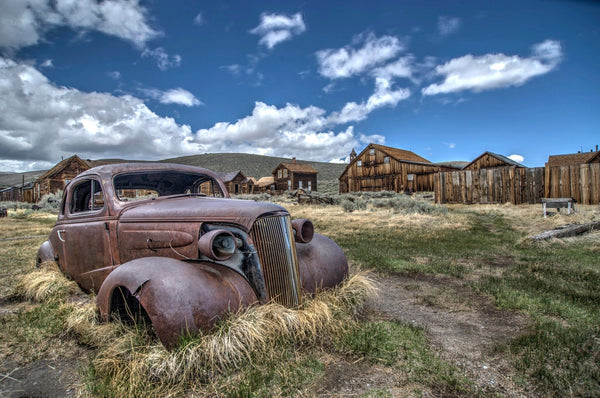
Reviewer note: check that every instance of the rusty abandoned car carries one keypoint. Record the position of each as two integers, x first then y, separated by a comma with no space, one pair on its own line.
166,241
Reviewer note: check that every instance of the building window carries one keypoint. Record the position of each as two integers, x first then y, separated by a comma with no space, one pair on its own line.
386,159
289,185
309,186
285,173
279,173
299,184
372,151
359,163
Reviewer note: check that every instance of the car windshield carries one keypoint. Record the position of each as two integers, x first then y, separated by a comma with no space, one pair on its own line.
149,184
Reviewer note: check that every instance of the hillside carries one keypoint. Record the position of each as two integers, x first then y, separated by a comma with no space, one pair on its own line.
251,165
254,165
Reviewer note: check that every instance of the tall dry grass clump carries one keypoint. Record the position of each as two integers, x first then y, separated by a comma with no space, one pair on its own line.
45,283
256,332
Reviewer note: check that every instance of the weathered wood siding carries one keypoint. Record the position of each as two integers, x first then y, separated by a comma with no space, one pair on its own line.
579,181
486,161
499,185
373,172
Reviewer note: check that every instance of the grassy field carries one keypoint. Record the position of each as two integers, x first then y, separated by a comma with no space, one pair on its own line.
340,343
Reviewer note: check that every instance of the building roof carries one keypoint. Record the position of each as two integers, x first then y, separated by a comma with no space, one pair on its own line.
60,166
501,158
573,158
265,181
227,177
398,154
298,167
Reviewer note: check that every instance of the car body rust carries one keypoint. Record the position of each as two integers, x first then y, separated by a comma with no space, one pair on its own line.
166,242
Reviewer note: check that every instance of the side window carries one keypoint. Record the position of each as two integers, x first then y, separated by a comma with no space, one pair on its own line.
285,173
279,173
87,195
359,163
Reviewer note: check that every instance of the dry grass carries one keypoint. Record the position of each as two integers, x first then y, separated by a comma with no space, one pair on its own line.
45,283
130,360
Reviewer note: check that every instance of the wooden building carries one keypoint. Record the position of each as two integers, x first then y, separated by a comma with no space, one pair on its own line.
237,183
58,177
490,160
265,184
293,176
382,168
575,175
574,158
17,193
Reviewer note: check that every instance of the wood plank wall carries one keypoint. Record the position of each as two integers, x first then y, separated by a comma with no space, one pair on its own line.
579,181
498,185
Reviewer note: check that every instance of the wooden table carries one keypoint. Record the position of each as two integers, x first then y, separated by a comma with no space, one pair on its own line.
559,203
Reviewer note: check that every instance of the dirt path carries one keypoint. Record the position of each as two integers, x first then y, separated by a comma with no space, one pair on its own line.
464,327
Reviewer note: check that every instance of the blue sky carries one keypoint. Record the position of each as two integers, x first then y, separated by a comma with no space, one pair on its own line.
148,80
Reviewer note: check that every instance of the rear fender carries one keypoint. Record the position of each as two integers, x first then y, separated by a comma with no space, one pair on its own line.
45,253
179,297
322,264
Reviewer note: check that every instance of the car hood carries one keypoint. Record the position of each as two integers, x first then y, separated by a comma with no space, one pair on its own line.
199,209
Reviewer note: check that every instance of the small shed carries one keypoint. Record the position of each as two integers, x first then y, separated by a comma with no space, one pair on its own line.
490,160
265,184
237,183
293,176
58,177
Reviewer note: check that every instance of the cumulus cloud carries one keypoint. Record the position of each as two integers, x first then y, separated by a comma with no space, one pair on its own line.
25,22
177,96
448,25
491,71
383,96
163,60
39,122
350,61
277,28
199,19
516,158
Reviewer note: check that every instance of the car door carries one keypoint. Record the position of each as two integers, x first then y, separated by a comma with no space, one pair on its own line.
85,235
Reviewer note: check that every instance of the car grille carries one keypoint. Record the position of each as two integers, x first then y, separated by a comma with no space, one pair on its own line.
274,242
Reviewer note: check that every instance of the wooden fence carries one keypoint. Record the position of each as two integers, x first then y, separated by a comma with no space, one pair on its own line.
579,181
498,185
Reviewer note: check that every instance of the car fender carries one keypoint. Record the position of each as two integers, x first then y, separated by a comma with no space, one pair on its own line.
179,297
322,263
45,253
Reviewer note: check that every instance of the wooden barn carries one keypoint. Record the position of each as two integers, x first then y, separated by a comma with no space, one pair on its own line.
237,183
293,176
382,168
58,177
490,160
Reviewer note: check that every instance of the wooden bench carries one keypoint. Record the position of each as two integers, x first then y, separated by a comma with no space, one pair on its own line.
559,203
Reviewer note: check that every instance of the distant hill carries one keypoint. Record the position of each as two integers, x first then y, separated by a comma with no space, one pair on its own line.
254,165
251,165
11,179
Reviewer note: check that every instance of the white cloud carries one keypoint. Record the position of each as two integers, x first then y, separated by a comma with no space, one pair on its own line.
402,67
164,61
277,28
177,96
450,145
448,25
47,64
492,71
199,19
349,61
25,22
516,158
116,75
381,97
39,122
